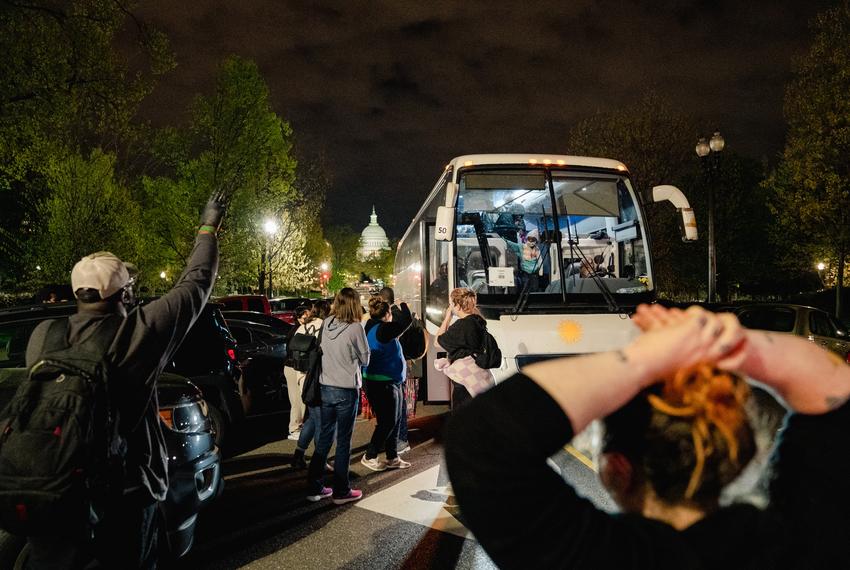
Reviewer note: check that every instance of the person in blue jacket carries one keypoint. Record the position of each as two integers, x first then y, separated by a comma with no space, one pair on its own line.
383,379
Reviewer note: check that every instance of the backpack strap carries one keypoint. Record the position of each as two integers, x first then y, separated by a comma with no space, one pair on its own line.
56,336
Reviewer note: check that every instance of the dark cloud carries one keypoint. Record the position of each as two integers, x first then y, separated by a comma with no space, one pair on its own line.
390,91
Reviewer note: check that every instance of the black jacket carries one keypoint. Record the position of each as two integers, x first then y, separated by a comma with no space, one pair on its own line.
526,516
144,344
464,337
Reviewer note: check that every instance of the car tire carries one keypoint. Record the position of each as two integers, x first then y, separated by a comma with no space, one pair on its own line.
218,424
14,550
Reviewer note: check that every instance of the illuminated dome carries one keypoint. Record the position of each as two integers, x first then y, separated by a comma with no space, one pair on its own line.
373,238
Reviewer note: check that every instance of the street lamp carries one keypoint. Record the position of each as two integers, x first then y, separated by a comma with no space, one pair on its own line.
711,166
270,227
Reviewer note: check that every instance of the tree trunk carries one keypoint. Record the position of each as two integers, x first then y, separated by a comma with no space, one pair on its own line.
839,283
261,273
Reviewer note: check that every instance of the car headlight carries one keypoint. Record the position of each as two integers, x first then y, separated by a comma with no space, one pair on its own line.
185,418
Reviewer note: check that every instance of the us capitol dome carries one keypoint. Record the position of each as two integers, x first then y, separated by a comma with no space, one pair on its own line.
373,238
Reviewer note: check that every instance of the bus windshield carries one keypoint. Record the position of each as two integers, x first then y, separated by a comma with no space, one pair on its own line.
548,232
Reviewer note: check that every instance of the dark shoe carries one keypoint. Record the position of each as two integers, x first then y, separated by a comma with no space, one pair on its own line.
298,461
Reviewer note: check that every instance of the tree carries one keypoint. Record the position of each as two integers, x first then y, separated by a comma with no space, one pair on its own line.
236,143
345,266
84,195
65,90
810,188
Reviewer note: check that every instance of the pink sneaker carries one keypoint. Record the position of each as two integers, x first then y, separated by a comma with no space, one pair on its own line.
323,494
353,495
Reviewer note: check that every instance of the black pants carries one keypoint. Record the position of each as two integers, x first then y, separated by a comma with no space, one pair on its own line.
460,395
126,538
385,399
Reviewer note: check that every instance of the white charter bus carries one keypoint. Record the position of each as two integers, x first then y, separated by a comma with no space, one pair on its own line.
569,291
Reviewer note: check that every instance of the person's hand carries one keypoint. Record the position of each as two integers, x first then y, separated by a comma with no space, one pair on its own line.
213,212
678,339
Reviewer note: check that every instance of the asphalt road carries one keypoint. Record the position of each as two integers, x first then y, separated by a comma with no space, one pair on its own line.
405,520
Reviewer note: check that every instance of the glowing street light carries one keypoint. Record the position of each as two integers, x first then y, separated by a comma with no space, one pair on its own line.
821,266
162,274
324,266
270,227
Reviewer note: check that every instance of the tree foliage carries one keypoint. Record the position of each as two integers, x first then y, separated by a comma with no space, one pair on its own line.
65,91
810,188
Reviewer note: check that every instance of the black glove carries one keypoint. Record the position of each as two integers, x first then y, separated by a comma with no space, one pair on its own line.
213,212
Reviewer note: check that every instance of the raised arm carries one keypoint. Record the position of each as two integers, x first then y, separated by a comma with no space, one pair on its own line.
619,376
810,379
396,327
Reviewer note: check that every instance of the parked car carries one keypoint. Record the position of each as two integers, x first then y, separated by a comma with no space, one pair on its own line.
193,458
255,303
261,348
284,309
814,324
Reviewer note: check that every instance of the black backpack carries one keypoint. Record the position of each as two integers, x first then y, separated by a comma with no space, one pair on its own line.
300,347
61,456
490,355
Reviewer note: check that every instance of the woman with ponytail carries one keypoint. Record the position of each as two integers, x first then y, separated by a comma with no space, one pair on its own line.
674,407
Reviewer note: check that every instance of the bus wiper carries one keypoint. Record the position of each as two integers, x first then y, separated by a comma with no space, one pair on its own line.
600,282
474,219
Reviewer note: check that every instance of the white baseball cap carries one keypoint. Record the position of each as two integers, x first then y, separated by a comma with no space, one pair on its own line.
101,271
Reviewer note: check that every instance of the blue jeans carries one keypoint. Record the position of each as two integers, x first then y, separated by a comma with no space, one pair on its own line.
339,406
310,428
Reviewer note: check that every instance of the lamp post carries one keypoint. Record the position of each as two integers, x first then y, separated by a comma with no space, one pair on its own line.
708,152
821,266
270,227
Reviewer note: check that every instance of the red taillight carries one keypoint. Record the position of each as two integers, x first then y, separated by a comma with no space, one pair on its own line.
847,358
231,353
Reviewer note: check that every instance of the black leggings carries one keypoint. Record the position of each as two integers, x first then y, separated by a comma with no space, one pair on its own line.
386,401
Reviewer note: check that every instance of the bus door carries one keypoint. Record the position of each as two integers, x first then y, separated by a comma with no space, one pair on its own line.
436,279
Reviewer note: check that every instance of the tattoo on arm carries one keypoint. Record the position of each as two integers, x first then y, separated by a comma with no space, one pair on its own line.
621,356
768,338
833,402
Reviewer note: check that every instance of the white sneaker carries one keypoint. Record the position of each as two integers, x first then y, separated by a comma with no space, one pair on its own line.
294,435
404,448
374,464
397,463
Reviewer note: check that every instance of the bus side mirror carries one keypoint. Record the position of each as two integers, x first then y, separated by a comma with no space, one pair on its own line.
444,229
688,221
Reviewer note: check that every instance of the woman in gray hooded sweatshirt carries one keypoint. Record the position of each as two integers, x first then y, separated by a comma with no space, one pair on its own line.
344,351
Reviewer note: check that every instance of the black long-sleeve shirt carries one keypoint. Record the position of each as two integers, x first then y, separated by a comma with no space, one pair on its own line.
144,344
388,330
464,337
526,516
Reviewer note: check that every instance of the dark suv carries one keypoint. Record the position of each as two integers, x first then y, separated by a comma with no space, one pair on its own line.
194,461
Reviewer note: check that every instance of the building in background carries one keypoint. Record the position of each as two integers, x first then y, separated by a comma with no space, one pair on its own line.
373,238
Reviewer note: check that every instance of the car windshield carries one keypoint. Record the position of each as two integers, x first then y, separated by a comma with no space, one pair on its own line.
776,319
577,235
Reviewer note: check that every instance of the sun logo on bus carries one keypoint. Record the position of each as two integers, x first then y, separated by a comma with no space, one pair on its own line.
570,331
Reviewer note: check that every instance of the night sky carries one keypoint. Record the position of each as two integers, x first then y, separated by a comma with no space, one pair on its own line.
389,91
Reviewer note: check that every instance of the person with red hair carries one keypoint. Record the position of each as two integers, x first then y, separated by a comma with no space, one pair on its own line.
674,405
